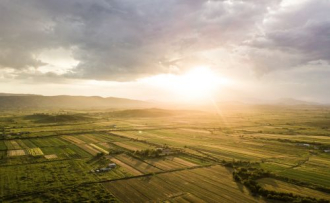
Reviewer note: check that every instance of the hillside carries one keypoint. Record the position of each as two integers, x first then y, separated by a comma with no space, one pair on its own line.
74,102
45,118
294,102
154,112
11,94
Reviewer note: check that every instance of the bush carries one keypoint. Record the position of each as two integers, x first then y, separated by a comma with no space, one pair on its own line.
148,153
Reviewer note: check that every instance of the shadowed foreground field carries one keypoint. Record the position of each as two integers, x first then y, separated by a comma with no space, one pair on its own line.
243,154
211,184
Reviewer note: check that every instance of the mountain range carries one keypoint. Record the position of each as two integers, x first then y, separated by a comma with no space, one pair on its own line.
14,101
17,101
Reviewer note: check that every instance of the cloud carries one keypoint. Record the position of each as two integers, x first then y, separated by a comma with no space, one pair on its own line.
123,40
292,36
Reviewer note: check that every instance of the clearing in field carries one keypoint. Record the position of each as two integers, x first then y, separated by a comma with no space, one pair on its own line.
18,152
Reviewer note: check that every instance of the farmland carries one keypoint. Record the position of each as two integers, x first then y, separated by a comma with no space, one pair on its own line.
164,155
290,188
214,185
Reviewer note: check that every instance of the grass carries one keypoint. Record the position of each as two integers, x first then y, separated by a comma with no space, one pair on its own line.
170,163
99,148
35,152
101,162
61,155
20,179
133,145
48,142
214,185
280,186
139,166
2,145
18,152
308,174
69,151
84,193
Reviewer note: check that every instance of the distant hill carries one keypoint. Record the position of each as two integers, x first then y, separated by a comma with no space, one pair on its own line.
45,118
291,101
72,102
143,113
11,94
153,112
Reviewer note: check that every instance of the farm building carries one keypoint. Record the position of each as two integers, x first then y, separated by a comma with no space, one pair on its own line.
112,165
107,168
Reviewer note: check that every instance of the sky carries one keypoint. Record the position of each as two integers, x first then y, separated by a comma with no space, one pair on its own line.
173,50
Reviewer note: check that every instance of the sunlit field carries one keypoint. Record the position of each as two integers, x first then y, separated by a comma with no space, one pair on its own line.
166,155
167,101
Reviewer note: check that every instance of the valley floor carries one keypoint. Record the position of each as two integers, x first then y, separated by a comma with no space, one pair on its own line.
186,156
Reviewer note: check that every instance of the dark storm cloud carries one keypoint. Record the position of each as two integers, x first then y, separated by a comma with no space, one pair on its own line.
126,39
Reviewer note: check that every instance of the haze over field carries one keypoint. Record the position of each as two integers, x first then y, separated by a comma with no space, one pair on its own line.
176,101
170,50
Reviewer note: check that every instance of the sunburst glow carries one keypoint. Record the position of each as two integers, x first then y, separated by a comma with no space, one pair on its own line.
198,83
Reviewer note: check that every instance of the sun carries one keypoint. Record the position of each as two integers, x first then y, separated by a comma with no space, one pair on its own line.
200,82
196,84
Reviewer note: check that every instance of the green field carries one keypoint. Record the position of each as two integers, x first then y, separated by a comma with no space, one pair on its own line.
162,156
198,185
281,186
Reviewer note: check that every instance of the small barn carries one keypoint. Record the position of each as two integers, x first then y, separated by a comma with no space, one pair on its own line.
111,165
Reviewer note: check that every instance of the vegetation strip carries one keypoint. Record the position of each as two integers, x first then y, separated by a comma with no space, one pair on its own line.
247,174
